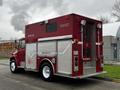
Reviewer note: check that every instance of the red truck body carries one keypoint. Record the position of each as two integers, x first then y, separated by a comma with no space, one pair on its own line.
71,44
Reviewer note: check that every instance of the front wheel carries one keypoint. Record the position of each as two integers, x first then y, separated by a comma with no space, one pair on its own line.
46,72
13,67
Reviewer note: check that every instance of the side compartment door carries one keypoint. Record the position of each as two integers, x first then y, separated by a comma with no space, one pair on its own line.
47,49
65,56
31,56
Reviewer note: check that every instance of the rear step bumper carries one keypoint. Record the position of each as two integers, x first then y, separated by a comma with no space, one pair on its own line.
90,75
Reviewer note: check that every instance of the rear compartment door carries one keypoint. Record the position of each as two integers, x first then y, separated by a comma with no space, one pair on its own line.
89,48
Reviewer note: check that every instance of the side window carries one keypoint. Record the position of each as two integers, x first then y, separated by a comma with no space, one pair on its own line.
51,27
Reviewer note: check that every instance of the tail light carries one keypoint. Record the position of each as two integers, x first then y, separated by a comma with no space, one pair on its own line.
75,63
75,60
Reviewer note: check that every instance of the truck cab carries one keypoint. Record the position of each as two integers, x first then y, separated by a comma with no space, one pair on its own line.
18,56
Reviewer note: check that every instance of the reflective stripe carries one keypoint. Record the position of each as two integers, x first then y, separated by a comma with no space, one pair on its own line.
80,42
77,43
55,38
98,43
86,58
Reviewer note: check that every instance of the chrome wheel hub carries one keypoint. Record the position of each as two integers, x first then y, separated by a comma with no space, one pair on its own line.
46,71
12,66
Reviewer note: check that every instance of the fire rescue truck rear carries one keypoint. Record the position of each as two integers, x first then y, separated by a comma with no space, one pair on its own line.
69,46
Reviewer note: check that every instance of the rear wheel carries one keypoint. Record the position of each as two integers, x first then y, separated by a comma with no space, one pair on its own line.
46,72
13,67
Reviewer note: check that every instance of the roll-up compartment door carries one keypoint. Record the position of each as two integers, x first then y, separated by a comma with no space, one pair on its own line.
65,56
31,56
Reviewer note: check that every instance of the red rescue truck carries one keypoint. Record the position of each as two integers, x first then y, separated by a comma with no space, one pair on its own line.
69,46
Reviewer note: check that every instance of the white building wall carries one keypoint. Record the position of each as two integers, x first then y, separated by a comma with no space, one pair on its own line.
108,49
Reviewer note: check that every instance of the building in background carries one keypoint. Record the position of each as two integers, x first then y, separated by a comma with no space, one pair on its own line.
111,47
6,47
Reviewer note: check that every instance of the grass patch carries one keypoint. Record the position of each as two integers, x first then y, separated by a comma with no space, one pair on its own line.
113,72
3,58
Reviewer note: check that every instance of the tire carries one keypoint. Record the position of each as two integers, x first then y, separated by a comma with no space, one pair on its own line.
13,67
46,72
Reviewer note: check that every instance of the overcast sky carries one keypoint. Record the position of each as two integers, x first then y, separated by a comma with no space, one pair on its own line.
15,13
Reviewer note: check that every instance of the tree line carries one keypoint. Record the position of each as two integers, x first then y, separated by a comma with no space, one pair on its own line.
115,13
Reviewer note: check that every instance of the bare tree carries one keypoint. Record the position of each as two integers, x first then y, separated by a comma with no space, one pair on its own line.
116,10
104,19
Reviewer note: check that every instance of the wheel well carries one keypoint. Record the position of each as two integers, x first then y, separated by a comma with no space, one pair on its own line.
12,58
46,61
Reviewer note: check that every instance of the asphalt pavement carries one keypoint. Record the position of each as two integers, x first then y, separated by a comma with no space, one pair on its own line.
32,81
4,61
